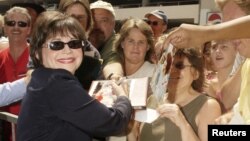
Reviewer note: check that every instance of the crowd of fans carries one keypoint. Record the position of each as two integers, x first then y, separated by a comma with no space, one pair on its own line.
48,60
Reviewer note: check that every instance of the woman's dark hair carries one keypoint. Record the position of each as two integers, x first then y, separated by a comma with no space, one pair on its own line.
195,58
49,24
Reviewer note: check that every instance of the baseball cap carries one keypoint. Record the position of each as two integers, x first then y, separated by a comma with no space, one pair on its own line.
159,14
103,5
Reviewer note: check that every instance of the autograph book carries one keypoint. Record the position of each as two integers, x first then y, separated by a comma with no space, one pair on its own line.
136,88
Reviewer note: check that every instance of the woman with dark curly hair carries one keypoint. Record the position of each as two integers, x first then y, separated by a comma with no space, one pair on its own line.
183,114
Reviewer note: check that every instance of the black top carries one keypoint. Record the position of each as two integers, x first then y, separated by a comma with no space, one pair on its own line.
57,108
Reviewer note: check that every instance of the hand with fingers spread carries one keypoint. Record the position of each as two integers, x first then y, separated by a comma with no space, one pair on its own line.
196,35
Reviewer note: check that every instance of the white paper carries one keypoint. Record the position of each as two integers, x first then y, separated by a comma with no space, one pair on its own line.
160,77
138,92
148,115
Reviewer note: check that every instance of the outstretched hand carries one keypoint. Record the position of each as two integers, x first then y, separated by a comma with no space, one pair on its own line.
185,36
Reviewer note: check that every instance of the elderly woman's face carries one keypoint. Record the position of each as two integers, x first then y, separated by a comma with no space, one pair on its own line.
57,54
182,74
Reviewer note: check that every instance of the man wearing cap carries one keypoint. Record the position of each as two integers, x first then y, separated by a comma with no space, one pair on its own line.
158,21
102,37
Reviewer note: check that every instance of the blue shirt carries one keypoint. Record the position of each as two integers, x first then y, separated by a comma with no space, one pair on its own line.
12,91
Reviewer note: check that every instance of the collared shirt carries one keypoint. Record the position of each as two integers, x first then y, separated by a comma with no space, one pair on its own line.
11,70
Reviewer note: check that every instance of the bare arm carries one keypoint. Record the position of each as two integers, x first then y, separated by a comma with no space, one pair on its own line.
231,90
173,112
203,119
188,35
234,29
113,68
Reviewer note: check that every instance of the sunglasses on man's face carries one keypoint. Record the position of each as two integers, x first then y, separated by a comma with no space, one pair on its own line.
19,23
59,45
181,66
154,23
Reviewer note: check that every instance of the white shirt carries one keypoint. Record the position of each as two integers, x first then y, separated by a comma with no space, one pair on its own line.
146,70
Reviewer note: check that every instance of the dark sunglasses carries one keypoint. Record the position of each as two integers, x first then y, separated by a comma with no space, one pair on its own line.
181,66
19,23
154,23
58,45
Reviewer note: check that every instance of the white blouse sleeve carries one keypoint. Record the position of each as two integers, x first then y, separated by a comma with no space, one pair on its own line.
11,92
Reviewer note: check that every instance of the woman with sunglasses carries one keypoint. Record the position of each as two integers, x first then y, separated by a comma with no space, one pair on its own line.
56,107
184,113
91,66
